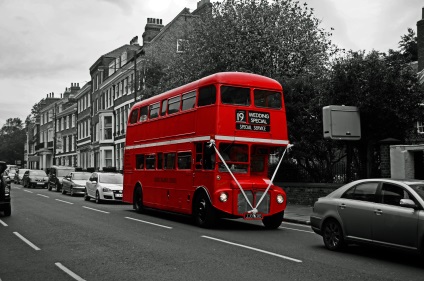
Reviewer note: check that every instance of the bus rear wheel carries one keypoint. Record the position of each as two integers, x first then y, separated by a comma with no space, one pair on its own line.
274,221
138,200
204,215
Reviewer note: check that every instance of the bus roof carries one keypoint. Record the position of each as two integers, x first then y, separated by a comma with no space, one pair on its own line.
231,78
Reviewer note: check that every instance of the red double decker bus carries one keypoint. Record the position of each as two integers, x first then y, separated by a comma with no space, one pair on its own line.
203,149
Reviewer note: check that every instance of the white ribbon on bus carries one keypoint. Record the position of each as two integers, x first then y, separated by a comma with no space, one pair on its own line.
254,209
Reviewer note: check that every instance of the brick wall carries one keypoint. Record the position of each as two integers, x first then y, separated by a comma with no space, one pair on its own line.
307,193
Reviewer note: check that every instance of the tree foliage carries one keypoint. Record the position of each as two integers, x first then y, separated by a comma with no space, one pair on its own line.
409,46
279,39
12,141
385,89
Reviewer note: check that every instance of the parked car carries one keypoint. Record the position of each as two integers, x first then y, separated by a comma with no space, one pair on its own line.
56,175
35,178
5,204
384,212
19,175
104,186
74,183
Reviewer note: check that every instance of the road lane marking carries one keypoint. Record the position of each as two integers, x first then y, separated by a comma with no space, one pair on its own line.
296,229
27,241
28,191
43,195
4,224
251,248
148,222
64,201
96,210
70,273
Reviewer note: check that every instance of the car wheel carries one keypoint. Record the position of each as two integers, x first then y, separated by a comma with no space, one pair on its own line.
8,210
274,221
332,235
138,200
204,215
98,200
86,197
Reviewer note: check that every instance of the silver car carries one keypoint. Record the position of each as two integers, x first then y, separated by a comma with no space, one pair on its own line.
384,212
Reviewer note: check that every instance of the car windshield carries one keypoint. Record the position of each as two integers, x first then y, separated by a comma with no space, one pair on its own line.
81,176
418,188
38,173
110,178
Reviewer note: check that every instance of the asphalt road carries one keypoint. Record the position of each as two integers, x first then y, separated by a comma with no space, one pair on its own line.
51,236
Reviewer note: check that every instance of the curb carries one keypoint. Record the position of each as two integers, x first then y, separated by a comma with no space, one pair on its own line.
297,221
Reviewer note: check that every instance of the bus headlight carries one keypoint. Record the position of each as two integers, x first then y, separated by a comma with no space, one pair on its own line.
280,199
223,197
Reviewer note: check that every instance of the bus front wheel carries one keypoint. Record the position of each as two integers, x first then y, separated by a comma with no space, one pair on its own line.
138,200
274,221
204,215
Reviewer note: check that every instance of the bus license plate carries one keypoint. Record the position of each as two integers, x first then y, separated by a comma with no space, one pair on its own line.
252,216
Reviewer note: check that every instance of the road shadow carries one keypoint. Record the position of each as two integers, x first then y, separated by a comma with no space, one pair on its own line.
406,258
222,224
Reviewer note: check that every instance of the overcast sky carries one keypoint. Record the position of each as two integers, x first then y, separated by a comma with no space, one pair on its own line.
45,45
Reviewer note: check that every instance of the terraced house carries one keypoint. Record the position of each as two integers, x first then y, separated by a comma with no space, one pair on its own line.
86,126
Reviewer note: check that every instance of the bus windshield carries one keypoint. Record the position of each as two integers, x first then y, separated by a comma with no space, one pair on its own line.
235,155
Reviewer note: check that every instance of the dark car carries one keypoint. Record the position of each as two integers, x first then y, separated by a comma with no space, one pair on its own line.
5,205
74,183
56,175
382,212
35,178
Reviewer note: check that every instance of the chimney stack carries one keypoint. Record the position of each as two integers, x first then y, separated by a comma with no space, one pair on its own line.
152,28
420,42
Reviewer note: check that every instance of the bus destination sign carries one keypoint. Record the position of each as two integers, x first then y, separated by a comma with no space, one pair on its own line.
252,121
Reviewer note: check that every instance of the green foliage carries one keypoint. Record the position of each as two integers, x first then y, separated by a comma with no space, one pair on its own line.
409,45
280,40
12,141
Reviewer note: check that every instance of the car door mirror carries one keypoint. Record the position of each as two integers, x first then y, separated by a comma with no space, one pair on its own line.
408,203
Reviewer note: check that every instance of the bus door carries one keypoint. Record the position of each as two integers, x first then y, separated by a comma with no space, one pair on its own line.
128,177
204,166
183,189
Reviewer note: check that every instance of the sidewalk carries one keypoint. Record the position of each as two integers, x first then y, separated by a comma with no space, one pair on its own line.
298,214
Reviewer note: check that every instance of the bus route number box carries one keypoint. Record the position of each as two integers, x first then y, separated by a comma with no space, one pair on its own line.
341,122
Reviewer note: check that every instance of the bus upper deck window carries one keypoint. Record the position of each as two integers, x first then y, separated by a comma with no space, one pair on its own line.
189,100
143,113
174,105
235,95
154,111
207,95
134,116
267,99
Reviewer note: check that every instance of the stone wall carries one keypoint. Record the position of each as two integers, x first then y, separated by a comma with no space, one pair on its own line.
306,193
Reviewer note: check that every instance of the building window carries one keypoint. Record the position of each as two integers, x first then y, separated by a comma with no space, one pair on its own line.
108,128
420,127
108,158
181,45
73,120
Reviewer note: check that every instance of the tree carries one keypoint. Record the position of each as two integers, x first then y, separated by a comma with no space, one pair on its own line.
12,141
385,89
278,39
408,45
